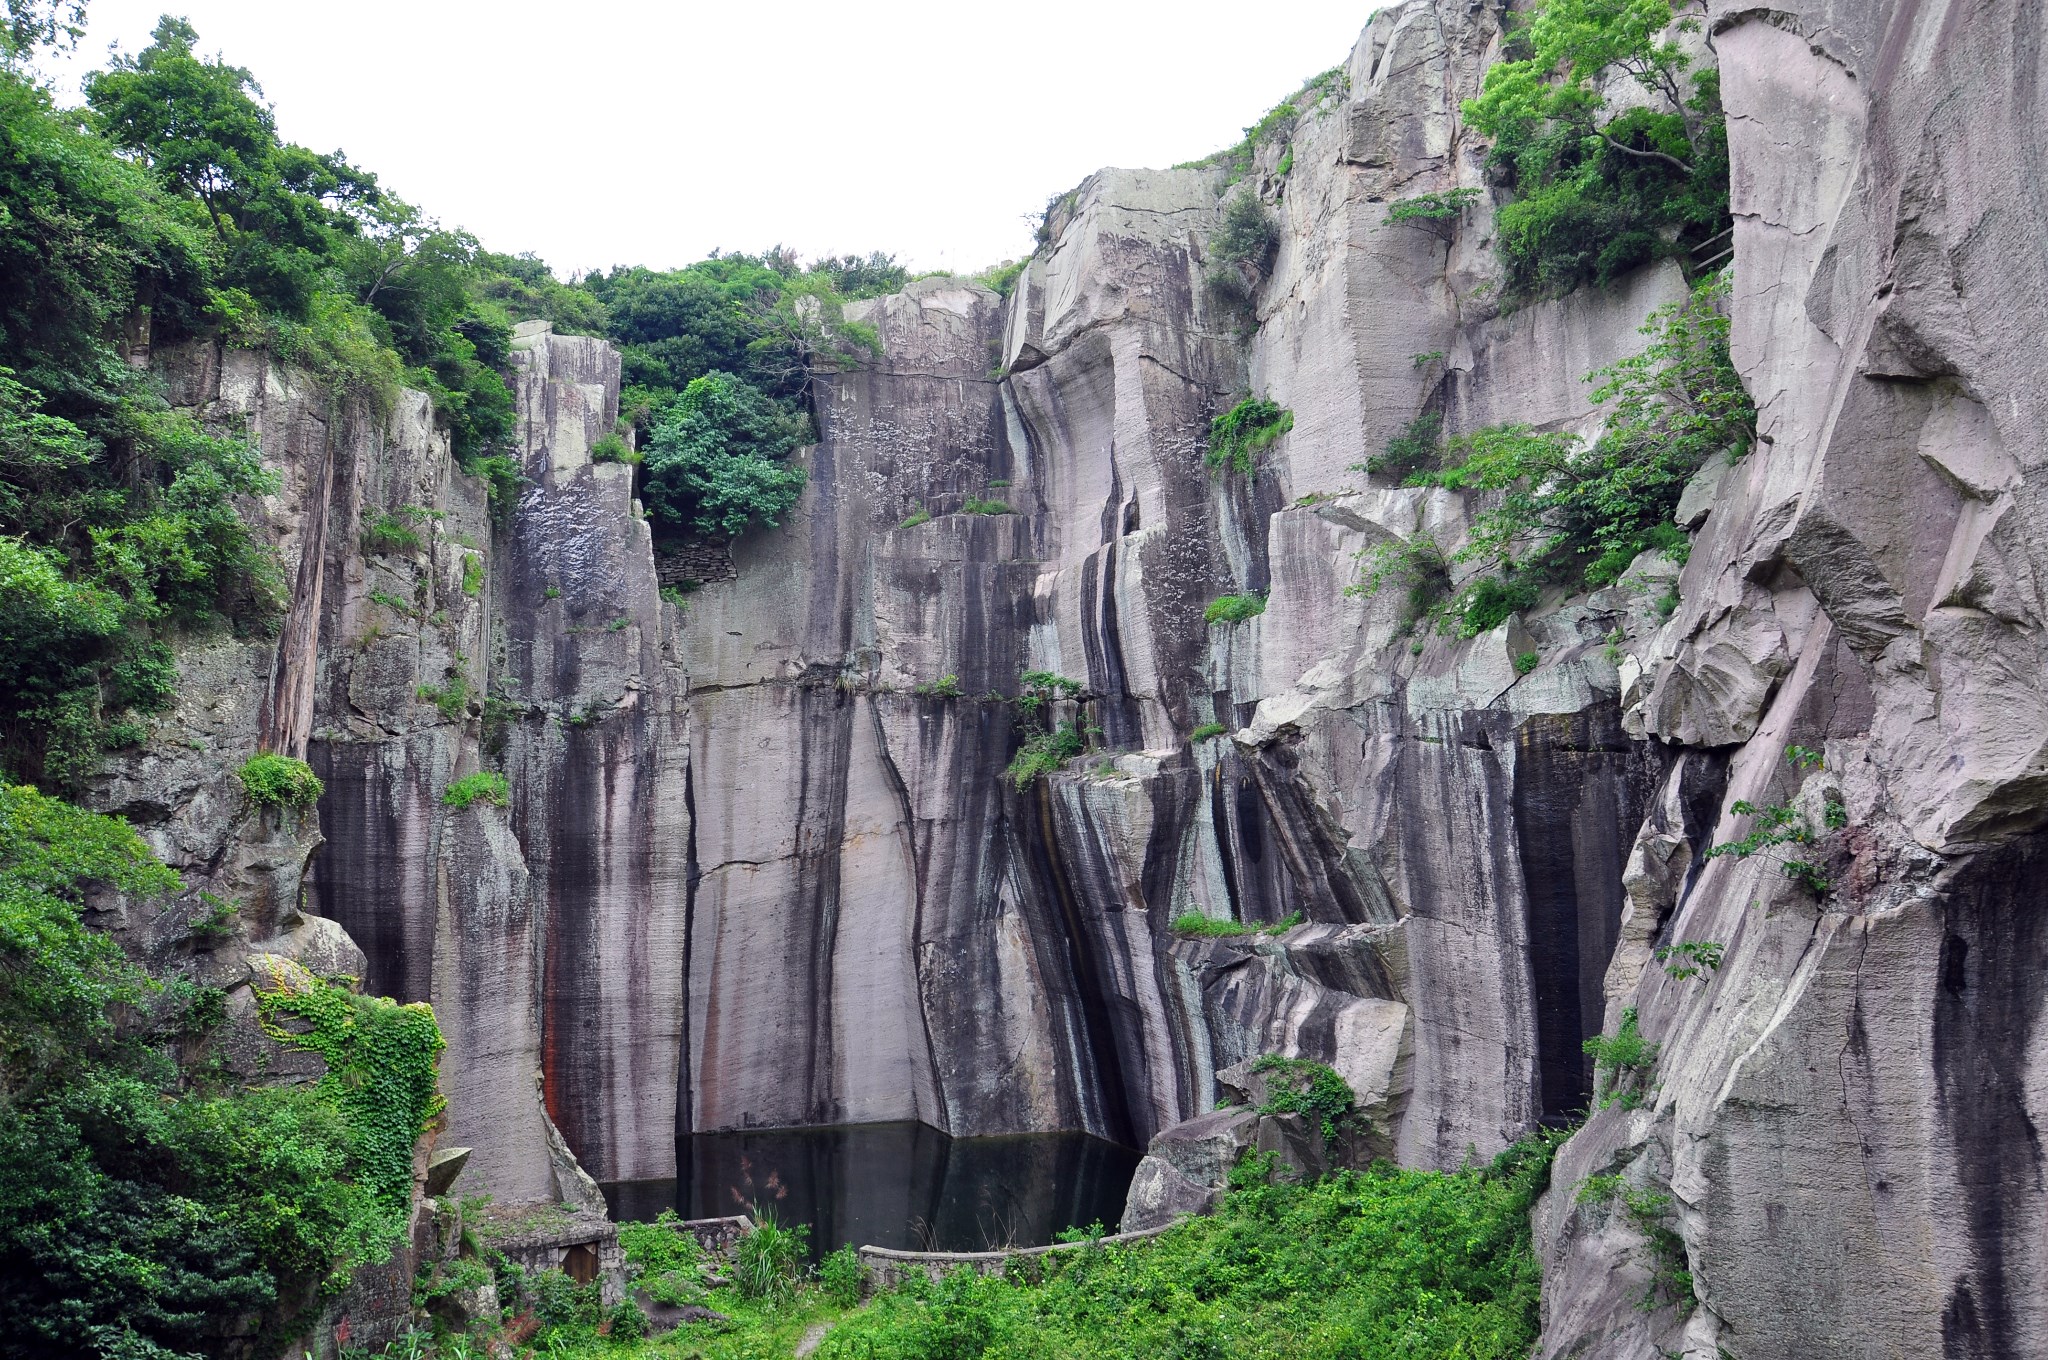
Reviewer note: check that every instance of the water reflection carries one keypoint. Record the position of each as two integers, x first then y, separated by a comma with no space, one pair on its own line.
896,1185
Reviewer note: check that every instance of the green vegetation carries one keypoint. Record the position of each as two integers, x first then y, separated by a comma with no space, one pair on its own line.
945,687
1691,959
1649,1212
144,1192
1578,516
915,518
1003,277
1622,1063
842,1278
768,1261
716,464
1376,1263
1274,127
1594,199
1413,450
1777,825
392,531
974,505
451,698
1238,435
272,780
1046,745
1446,205
1287,923
1244,247
1234,609
1526,662
1208,730
1043,753
1417,566
1194,925
472,575
665,1258
485,786
1302,1086
612,448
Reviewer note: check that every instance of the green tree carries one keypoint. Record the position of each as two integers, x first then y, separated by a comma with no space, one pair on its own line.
31,24
717,463
1596,198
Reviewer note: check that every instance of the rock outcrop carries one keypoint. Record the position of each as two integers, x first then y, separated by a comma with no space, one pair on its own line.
750,876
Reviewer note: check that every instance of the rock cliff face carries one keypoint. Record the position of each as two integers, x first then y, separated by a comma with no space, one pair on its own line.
751,877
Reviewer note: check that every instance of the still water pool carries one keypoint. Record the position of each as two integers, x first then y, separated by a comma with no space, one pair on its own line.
895,1185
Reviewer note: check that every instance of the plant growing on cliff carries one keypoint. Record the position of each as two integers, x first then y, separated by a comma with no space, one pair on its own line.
1194,925
393,531
1238,435
1043,753
717,464
1207,730
945,687
1691,959
1432,209
272,780
485,786
974,505
1234,609
1303,1086
1411,451
1244,247
1594,196
1621,1063
1649,1212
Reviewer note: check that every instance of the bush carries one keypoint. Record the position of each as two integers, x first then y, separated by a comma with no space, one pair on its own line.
486,786
915,518
841,1277
392,531
945,687
472,575
766,1260
1446,205
279,781
1526,662
1234,609
610,448
716,464
1299,1085
666,1258
1237,436
1194,925
451,699
974,505
1044,753
1621,1062
1415,448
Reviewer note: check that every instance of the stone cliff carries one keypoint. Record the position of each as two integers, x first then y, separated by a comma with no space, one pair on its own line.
750,876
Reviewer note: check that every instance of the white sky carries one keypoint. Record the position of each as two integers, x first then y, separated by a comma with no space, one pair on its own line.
601,132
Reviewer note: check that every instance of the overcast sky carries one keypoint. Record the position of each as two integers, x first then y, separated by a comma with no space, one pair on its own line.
600,132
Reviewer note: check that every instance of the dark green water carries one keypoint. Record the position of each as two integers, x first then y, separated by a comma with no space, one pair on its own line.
895,1185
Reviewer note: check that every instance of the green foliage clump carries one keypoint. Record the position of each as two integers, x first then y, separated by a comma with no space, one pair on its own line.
1194,925
766,1261
1234,608
717,463
273,780
915,518
1043,753
1622,1062
1577,515
1238,435
139,1203
1413,450
945,687
975,505
1526,662
611,448
1207,730
451,698
393,531
472,575
1377,1263
1244,247
485,786
1303,1086
1445,205
382,1059
1692,958
1002,278
666,1259
1592,199
842,1279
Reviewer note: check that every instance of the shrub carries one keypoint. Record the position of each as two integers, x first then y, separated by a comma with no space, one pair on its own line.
1207,730
1287,923
666,1259
1234,609
1621,1062
1044,753
1249,234
716,464
452,698
915,518
1418,566
392,531
279,781
502,480
766,1260
1197,926
1237,436
1415,448
1445,205
841,1277
486,786
1691,959
1648,1211
1526,662
974,505
610,448
1003,277
472,575
1300,1085
945,687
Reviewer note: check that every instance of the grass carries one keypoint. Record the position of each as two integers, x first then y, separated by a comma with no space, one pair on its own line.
1234,609
974,505
485,786
1195,926
1207,730
392,531
1238,435
915,518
